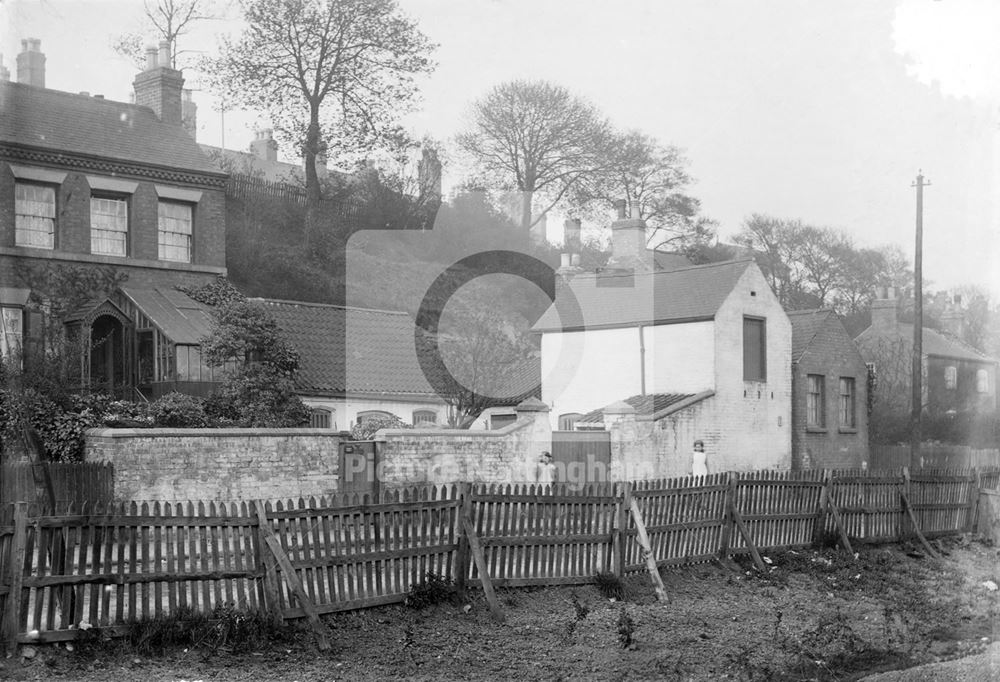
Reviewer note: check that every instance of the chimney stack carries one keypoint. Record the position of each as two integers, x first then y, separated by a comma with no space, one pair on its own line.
885,309
31,63
189,114
628,242
953,318
263,145
159,86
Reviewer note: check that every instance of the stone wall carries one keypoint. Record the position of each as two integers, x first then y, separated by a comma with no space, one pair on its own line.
507,455
217,464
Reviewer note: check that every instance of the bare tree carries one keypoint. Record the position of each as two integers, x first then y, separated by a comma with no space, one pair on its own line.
537,138
166,20
330,73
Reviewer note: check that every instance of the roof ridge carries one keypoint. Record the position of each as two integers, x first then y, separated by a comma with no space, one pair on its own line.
285,301
79,95
810,311
615,272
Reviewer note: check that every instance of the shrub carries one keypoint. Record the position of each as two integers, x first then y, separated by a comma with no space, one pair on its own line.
611,586
626,628
368,429
225,627
435,589
176,410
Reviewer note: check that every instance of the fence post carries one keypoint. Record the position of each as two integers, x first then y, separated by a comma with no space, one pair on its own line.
12,614
272,604
904,532
728,518
463,553
620,536
825,498
974,502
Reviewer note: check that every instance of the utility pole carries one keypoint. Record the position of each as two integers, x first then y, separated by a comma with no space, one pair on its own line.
917,399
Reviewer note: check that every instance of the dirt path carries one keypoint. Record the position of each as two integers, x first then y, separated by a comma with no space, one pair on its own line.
813,615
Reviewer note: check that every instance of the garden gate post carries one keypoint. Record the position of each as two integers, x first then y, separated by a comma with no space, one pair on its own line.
904,531
272,605
619,537
825,498
973,516
12,614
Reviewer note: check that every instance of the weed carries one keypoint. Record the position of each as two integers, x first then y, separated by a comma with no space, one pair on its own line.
626,628
434,589
225,627
611,586
580,609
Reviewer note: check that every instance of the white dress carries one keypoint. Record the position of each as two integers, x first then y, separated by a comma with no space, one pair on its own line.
699,463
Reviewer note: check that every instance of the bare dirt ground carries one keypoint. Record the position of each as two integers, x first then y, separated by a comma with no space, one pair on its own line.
813,615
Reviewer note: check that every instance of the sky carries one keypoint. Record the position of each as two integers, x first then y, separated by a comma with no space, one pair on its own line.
819,111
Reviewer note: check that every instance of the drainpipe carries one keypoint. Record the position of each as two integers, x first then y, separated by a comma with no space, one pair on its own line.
642,361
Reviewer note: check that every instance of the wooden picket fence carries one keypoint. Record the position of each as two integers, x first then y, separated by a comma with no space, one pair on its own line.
108,565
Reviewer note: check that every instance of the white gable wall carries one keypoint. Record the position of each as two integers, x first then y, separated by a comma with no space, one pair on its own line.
754,417
584,371
680,358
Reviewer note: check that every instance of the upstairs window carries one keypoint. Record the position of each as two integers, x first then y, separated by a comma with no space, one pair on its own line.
815,412
424,417
175,229
320,418
754,349
11,331
950,377
34,215
847,402
108,226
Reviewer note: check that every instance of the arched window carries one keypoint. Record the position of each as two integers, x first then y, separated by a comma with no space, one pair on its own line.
321,418
424,417
372,415
950,376
982,381
567,422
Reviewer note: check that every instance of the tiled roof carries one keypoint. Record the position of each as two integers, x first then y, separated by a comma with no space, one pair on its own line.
249,163
805,325
643,404
933,342
91,126
612,300
379,358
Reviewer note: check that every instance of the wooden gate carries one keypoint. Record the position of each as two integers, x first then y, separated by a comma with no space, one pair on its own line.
581,457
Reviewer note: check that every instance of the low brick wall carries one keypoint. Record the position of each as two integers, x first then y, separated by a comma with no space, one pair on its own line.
217,464
507,455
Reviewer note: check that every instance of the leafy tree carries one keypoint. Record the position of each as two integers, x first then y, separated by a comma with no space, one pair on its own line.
260,390
330,73
537,138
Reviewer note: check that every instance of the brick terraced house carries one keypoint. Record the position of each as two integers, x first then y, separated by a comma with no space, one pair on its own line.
98,185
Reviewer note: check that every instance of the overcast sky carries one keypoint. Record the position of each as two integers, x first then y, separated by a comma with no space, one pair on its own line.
823,111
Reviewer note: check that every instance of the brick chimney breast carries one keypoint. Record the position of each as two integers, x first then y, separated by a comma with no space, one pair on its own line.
160,87
885,310
31,63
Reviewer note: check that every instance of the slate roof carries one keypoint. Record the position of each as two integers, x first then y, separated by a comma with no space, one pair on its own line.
805,325
609,299
380,355
643,404
249,163
63,122
933,342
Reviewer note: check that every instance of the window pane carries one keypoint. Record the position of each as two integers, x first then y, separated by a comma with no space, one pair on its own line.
754,350
175,232
847,402
814,400
11,331
108,226
34,215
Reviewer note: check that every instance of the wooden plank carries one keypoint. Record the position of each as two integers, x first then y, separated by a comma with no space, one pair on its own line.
622,510
272,603
12,614
916,527
758,562
292,580
844,540
463,552
484,576
654,572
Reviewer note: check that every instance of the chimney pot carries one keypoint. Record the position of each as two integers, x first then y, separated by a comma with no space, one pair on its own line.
564,260
575,260
165,54
620,208
151,59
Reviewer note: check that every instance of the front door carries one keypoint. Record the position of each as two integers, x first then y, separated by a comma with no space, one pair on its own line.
109,356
